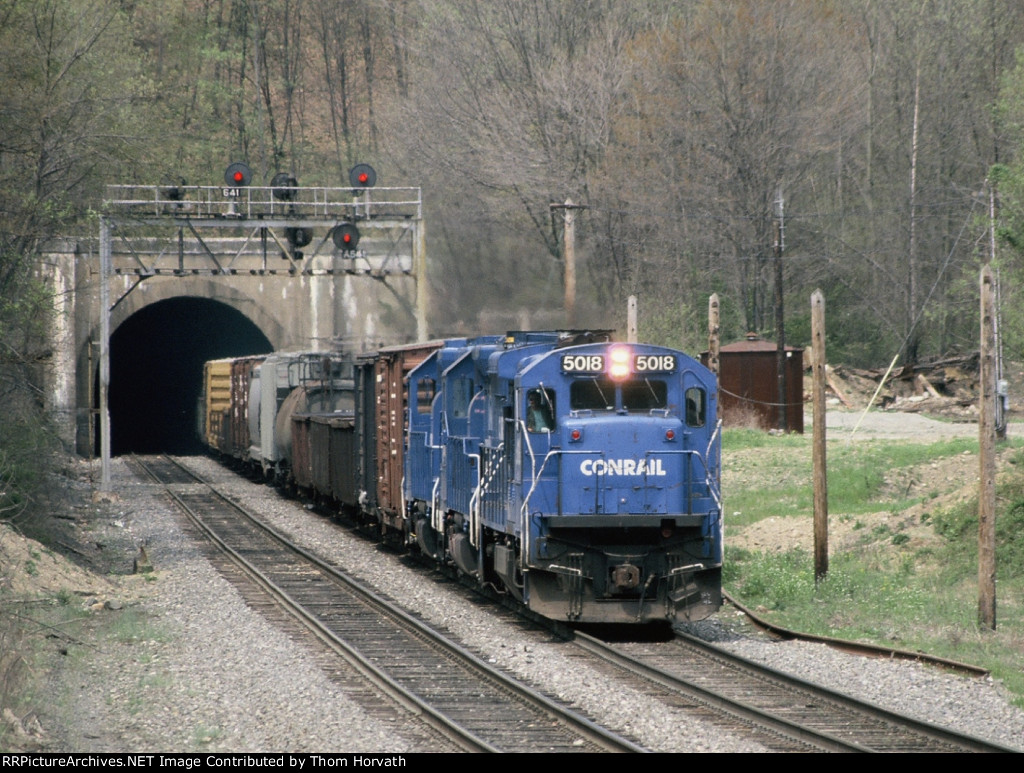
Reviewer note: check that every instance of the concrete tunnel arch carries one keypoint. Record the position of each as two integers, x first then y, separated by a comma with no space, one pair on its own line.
156,364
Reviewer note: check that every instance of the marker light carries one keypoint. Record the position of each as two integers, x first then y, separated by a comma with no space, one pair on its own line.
670,434
575,435
619,356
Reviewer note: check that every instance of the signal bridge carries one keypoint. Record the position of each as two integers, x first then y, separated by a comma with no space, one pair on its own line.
159,230
303,267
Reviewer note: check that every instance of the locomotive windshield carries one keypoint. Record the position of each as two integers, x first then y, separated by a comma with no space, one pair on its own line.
638,396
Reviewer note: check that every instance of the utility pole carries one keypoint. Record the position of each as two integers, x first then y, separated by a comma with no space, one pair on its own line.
987,457
1001,395
715,342
780,330
569,256
820,473
631,320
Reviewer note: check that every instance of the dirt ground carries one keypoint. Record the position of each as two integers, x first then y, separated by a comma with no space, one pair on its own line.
942,482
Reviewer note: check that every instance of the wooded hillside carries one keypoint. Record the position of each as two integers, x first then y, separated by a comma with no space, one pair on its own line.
677,125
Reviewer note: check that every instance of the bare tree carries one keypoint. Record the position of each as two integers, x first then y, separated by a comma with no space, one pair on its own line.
514,105
736,101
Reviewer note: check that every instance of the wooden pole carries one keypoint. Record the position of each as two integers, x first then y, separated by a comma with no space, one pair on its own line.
569,249
419,262
987,454
780,324
714,341
631,320
820,473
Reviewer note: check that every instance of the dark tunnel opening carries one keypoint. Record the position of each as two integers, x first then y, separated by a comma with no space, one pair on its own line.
156,368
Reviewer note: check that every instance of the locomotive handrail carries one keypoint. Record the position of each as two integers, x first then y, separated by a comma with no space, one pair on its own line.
717,494
474,519
478,493
436,518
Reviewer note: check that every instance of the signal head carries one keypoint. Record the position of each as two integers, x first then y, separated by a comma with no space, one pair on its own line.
362,176
283,186
237,175
174,191
345,236
298,237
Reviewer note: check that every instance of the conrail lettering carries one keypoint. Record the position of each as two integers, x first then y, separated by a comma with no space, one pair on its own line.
622,467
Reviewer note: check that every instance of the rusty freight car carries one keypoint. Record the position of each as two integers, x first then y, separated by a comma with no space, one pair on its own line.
382,392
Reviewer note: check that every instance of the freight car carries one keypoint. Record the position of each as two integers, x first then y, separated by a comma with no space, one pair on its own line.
579,475
247,404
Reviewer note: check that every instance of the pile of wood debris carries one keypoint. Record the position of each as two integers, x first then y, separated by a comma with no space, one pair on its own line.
946,387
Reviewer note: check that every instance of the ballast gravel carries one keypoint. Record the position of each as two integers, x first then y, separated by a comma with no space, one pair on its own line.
190,667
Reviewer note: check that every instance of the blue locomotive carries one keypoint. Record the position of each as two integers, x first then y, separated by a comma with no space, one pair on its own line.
577,474
580,475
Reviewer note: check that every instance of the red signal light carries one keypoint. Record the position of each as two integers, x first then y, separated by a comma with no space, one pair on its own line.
362,176
237,175
345,236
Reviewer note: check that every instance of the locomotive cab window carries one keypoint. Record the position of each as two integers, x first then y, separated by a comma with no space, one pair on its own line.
643,395
461,394
638,396
592,395
696,407
540,410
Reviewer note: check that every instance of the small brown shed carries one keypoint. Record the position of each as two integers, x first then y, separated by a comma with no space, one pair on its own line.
749,384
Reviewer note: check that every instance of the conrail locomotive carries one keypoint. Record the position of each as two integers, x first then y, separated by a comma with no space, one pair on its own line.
577,474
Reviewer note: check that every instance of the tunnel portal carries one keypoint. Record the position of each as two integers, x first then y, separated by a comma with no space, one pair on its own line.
156,367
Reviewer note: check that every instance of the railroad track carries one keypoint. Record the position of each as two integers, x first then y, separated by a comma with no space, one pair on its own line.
775,703
470,703
691,678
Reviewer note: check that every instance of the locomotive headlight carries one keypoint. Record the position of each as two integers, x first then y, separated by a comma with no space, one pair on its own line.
619,367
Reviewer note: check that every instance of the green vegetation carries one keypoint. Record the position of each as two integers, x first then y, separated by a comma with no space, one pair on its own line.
911,580
856,474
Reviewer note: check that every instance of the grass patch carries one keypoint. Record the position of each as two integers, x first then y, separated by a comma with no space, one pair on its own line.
888,588
774,475
132,627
